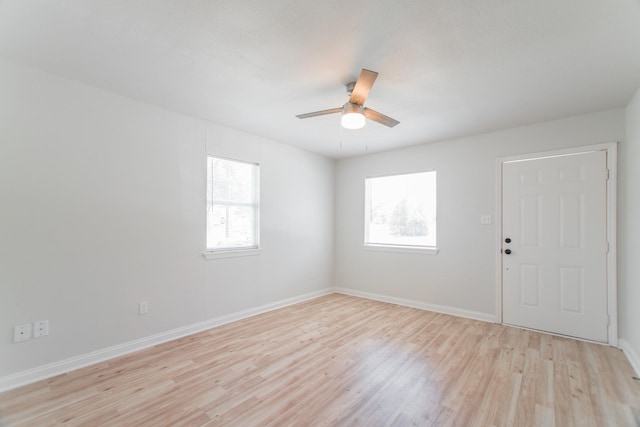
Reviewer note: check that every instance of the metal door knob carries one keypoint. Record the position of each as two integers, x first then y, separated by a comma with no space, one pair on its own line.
507,251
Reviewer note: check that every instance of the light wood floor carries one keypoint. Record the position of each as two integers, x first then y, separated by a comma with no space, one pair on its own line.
344,361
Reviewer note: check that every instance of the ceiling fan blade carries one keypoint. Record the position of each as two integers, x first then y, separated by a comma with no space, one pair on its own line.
319,113
363,86
379,117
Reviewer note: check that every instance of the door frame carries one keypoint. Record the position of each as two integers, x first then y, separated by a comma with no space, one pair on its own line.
611,149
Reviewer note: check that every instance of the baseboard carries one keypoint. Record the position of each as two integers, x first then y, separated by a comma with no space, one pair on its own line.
56,368
631,354
454,311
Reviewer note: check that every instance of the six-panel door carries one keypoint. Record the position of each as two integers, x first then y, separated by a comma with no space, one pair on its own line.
554,266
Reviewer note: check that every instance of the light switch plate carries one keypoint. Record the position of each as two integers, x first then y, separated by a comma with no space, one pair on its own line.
143,307
485,219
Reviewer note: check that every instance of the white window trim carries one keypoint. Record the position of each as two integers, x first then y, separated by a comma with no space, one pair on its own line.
231,253
210,254
381,247
420,250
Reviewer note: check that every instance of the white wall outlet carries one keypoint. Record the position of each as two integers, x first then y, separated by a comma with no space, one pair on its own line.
22,332
143,307
485,219
40,328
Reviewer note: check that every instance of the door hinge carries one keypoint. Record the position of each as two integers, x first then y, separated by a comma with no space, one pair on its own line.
606,174
606,248
608,320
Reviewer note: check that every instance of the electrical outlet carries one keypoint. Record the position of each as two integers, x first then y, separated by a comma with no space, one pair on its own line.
40,328
485,219
143,307
22,332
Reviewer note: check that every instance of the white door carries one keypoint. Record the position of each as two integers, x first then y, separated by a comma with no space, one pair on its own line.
554,244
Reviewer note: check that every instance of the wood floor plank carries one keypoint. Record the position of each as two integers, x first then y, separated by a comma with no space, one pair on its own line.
343,361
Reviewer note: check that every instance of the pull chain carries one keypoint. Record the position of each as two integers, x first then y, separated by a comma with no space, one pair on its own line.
366,136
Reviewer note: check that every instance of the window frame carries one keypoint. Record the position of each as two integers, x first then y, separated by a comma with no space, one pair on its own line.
236,251
391,247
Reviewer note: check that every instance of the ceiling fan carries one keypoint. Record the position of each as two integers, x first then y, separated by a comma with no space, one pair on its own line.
353,111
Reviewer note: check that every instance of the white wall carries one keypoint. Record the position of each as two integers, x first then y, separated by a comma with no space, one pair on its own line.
102,205
629,246
462,275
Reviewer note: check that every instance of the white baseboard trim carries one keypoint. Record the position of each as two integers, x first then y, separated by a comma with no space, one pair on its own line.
63,366
631,354
454,311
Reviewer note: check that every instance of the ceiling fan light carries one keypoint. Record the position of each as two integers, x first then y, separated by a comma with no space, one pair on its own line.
352,116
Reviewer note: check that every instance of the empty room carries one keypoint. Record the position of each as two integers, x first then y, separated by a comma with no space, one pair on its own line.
243,213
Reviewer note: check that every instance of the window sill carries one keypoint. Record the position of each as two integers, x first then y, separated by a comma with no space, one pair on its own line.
402,249
231,253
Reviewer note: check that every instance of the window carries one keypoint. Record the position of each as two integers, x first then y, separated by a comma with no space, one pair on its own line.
232,205
400,211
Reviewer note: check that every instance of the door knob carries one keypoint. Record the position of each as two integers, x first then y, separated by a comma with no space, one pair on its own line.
507,240
507,251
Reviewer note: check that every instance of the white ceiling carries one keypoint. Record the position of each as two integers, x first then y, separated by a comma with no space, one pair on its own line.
448,68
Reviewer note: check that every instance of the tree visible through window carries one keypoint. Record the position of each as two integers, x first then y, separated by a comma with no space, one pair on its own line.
232,204
401,210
